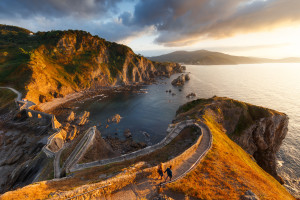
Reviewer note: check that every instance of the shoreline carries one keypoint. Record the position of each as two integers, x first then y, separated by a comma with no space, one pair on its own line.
86,94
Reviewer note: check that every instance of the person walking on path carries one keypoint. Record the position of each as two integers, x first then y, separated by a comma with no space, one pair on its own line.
169,173
160,171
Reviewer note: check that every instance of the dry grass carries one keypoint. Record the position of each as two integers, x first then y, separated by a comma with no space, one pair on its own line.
227,172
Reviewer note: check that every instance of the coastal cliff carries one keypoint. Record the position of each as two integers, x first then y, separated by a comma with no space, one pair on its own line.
259,131
226,172
52,64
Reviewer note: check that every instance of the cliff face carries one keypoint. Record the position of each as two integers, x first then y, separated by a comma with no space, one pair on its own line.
259,131
53,64
263,140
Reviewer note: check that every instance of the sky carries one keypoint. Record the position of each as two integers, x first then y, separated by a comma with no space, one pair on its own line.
261,28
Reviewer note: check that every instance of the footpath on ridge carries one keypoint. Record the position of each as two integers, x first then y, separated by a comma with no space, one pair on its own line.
146,188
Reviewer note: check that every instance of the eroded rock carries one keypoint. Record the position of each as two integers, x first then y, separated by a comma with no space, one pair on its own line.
180,80
83,119
71,117
249,195
115,119
191,95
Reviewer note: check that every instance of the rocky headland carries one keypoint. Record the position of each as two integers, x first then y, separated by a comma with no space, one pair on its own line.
57,63
258,131
52,68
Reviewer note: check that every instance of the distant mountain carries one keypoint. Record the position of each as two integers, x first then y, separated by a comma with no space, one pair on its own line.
203,57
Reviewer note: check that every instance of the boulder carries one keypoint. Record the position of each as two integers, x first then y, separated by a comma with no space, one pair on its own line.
71,117
115,119
187,77
83,119
180,80
249,195
191,95
72,131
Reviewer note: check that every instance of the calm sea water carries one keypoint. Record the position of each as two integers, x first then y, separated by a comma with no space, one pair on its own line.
275,86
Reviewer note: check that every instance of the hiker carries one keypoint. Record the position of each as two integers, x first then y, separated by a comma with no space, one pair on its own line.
160,171
169,173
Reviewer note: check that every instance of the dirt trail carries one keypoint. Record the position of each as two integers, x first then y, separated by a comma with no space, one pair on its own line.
19,94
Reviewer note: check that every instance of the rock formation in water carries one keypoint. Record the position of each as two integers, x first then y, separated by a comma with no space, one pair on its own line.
180,80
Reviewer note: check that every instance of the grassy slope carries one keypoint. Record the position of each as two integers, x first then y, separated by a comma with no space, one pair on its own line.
227,171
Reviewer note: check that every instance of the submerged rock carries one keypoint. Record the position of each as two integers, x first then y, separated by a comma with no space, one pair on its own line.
127,133
191,95
115,119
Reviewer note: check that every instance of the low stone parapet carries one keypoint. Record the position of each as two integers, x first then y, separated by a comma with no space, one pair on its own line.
174,131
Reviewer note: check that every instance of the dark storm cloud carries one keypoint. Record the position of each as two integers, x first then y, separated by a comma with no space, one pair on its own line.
55,8
175,22
180,22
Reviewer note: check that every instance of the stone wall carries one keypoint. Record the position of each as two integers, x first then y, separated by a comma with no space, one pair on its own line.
172,131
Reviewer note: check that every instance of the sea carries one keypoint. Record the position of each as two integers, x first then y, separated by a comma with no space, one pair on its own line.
148,111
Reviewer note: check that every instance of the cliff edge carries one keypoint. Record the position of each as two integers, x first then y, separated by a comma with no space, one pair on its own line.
47,65
259,131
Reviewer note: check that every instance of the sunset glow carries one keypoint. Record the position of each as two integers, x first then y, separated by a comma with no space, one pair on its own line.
262,28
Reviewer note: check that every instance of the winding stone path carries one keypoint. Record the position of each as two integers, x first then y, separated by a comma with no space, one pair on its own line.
172,133
80,149
19,94
147,188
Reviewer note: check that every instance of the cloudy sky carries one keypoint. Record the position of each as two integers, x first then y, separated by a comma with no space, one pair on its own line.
265,28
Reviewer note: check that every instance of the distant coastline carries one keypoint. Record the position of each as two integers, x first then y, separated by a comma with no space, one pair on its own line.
204,57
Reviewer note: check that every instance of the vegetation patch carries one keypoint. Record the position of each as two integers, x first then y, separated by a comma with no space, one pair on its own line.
6,97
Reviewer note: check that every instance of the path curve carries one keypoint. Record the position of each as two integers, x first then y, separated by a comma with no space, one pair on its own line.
172,133
19,94
147,188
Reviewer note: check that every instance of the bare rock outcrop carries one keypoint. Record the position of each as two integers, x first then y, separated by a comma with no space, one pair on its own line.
259,131
180,80
249,195
115,119
58,141
263,139
83,119
191,95
71,117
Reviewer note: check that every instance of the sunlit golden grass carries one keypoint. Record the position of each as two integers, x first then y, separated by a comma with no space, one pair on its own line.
227,172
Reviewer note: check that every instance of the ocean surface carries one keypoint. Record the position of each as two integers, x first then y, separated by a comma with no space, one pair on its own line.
147,113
